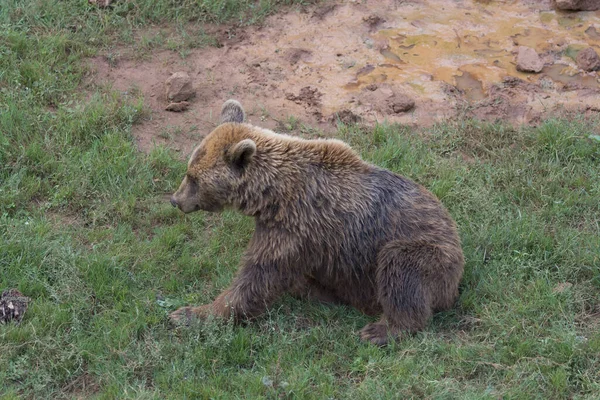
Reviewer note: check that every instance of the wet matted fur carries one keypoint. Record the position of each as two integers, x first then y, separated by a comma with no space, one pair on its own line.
329,226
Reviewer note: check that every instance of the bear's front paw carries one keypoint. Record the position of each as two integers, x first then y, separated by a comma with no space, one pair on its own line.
377,333
185,315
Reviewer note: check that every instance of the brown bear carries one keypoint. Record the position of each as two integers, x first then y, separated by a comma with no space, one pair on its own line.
329,226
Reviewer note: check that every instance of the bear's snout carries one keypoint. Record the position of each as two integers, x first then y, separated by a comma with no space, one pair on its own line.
174,202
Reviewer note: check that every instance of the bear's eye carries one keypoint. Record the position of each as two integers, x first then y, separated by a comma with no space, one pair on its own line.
190,178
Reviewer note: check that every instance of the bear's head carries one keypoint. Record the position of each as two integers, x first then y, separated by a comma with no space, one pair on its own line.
216,167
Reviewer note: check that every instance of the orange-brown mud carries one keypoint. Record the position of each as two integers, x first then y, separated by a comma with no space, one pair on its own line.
365,60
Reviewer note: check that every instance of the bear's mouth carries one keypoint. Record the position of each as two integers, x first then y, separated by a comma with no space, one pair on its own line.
208,208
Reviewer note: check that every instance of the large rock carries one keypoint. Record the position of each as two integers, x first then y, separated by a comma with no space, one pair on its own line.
179,87
577,5
588,59
528,60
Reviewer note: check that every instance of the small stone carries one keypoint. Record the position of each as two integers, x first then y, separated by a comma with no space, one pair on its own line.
528,60
179,87
588,60
13,305
178,106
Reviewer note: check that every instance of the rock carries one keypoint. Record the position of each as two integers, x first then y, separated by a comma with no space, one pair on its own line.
12,306
179,87
178,107
588,60
528,60
577,5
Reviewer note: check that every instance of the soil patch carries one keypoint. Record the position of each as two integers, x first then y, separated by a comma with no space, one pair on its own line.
424,62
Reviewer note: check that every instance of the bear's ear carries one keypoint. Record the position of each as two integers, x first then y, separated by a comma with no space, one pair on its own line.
232,111
240,154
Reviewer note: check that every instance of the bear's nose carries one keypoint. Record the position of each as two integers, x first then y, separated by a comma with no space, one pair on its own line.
173,202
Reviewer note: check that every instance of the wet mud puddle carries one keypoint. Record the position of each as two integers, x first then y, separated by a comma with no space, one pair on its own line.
471,46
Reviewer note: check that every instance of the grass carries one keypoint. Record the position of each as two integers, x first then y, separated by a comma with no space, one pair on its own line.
87,234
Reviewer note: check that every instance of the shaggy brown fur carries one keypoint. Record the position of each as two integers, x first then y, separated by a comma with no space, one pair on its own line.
329,226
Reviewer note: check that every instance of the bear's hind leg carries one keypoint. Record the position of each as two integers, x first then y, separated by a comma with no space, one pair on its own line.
402,290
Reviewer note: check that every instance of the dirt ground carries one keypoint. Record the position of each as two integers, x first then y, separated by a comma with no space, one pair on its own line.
412,62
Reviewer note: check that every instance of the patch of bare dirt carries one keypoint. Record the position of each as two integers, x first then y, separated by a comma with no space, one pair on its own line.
411,62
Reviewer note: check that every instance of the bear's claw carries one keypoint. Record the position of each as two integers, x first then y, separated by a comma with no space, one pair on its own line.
377,333
182,316
186,315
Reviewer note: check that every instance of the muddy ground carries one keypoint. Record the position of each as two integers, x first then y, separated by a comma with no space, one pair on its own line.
412,62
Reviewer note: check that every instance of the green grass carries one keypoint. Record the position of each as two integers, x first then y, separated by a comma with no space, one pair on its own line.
87,233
